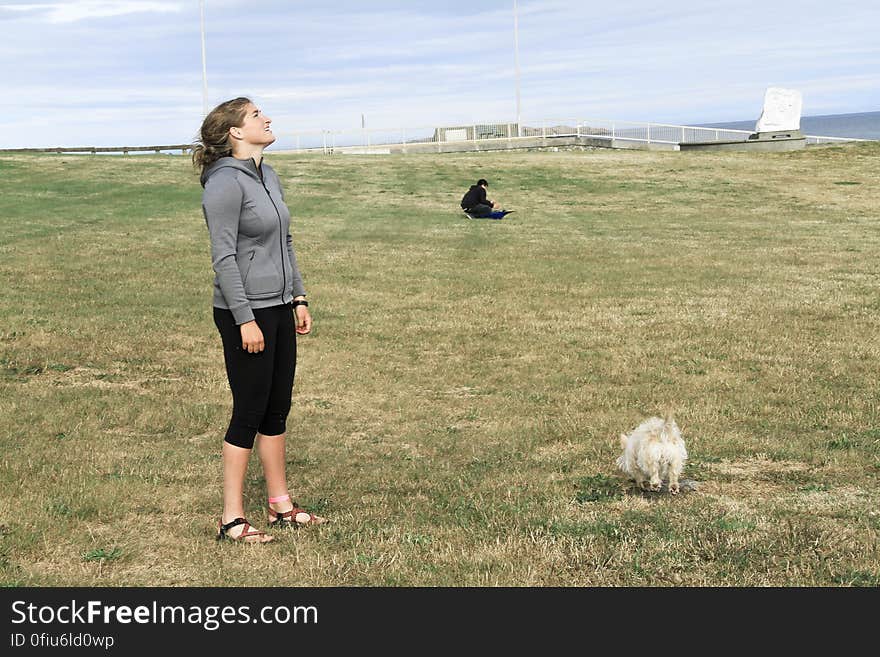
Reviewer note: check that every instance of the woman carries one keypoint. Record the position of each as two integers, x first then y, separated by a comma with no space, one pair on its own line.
259,306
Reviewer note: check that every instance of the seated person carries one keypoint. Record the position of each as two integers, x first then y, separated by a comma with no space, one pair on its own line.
475,203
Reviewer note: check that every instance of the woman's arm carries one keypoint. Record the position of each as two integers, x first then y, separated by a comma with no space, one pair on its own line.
221,203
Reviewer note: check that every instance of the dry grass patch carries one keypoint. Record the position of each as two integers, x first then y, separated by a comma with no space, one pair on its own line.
458,403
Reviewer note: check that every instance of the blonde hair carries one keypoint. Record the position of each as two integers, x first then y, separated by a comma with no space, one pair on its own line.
213,142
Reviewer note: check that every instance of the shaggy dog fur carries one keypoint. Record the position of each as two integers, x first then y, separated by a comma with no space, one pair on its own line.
653,452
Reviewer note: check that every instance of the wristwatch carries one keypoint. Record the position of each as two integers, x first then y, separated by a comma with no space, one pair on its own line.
299,302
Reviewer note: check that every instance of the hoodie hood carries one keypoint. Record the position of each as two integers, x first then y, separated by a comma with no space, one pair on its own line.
248,166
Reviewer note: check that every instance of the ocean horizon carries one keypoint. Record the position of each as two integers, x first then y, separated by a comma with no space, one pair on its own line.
858,125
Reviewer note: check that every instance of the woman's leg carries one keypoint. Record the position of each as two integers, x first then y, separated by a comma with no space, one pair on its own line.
271,439
272,455
250,381
273,458
235,463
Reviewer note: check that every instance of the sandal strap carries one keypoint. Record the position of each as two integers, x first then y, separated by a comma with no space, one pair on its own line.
287,514
246,532
290,516
232,523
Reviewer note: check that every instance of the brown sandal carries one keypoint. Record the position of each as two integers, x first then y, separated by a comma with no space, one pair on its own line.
245,534
296,517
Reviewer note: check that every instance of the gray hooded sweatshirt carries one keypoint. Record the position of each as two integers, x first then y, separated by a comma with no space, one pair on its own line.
251,248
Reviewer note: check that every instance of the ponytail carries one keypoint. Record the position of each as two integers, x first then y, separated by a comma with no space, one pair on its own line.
213,142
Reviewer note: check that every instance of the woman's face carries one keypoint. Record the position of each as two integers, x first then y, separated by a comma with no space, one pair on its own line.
256,127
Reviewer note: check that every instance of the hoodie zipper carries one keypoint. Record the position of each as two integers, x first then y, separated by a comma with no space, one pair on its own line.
280,231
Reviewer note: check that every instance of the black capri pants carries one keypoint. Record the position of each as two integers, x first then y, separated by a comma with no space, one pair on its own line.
261,383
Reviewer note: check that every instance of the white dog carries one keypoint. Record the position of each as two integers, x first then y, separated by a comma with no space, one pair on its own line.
653,452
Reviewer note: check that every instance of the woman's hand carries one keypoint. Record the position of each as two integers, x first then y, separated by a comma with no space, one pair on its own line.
252,337
303,320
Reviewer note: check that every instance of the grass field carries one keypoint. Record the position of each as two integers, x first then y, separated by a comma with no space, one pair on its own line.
458,403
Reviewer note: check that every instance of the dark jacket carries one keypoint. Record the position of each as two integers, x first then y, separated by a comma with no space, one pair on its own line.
476,195
251,248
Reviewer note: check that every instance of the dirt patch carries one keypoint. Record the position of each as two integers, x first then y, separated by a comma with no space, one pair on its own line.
757,467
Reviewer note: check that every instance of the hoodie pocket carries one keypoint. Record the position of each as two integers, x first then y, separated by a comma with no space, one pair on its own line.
262,278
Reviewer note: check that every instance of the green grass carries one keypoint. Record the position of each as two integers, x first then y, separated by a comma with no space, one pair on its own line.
458,404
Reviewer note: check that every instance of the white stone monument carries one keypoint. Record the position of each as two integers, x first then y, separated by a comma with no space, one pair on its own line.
778,128
782,111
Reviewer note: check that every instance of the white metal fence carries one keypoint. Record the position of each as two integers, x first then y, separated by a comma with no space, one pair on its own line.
386,140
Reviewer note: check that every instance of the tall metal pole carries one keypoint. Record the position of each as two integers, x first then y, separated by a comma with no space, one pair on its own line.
204,64
516,60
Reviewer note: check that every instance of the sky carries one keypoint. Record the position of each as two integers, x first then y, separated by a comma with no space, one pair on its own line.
129,72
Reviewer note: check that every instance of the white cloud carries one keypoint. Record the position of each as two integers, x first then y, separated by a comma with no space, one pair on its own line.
94,71
79,10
